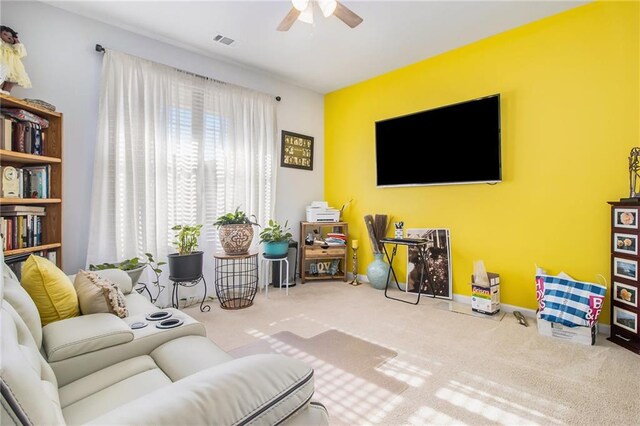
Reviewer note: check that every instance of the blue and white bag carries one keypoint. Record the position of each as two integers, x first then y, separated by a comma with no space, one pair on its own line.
569,302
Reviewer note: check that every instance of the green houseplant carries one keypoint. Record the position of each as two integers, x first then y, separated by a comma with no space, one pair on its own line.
235,231
186,264
276,238
134,268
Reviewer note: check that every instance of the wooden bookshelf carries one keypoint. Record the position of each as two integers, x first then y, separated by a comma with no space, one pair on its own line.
320,253
32,249
30,201
52,222
22,158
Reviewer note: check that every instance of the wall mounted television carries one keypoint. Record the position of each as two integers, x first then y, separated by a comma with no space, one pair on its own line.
452,144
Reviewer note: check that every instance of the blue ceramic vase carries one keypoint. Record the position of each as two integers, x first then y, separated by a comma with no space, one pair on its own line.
378,272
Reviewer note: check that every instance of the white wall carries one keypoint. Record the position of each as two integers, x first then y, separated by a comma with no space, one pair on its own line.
65,70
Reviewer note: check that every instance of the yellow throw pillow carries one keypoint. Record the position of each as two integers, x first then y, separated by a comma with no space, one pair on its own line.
50,289
99,295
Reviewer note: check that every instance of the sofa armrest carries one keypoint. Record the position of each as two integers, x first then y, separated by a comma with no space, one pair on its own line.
80,335
259,389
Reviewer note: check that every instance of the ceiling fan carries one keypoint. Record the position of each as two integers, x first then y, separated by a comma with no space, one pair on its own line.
302,10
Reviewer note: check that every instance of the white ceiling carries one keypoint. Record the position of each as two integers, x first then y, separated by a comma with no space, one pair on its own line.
328,55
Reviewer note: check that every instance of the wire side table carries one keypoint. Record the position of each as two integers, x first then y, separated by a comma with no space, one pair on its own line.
236,279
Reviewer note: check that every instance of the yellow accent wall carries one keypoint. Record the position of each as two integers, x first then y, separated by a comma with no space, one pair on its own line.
570,115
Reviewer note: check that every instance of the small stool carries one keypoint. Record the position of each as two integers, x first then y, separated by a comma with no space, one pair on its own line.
270,259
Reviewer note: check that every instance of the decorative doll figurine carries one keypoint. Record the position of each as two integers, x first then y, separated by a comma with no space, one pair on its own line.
11,52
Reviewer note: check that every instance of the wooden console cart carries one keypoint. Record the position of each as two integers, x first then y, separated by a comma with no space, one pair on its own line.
52,222
625,279
319,255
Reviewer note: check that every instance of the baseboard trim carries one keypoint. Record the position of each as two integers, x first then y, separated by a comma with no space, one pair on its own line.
604,329
529,313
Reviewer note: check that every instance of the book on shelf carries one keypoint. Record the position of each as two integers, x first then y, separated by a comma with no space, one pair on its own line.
16,262
34,181
6,132
12,208
38,181
18,135
25,116
21,232
337,235
22,135
335,241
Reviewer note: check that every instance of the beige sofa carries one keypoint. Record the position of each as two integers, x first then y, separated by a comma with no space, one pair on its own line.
95,369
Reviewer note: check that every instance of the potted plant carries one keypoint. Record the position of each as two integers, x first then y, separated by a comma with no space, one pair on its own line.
186,264
276,238
235,231
134,267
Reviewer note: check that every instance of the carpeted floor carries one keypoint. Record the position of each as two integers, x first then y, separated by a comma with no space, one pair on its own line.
457,369
343,365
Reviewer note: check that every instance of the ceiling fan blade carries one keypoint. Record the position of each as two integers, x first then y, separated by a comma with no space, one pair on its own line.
288,20
347,16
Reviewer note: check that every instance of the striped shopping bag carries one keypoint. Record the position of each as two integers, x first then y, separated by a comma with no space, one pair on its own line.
569,302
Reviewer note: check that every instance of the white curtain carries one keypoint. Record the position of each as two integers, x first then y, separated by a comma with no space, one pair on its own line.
172,149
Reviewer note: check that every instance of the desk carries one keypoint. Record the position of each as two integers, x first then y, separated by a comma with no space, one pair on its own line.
423,251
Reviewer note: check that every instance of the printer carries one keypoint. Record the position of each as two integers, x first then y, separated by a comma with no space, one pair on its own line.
319,211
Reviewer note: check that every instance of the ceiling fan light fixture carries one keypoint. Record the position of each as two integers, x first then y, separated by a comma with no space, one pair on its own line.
327,7
306,15
301,5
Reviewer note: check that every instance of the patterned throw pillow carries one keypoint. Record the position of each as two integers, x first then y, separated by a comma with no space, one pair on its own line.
98,295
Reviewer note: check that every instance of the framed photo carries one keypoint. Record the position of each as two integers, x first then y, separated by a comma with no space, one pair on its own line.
296,151
625,268
625,243
625,319
625,218
626,294
438,263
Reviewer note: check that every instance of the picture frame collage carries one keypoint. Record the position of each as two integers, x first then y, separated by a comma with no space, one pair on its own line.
625,243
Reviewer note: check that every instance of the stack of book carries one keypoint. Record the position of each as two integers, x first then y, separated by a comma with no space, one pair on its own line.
336,239
22,131
21,226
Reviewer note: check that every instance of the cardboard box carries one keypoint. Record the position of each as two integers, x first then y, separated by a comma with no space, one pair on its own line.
486,300
494,279
582,335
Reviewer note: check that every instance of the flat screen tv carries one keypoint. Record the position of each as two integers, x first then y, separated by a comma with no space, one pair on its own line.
453,144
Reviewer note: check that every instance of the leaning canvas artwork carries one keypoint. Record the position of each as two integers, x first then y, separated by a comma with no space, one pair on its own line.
438,263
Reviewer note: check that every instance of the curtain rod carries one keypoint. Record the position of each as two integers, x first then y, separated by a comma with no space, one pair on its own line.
101,49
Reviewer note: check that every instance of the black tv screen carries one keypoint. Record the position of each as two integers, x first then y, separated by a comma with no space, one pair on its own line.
453,144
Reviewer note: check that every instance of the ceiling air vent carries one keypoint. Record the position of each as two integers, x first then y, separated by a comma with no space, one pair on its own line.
224,40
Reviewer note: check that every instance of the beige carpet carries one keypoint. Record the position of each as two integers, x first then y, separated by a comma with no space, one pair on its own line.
343,364
458,369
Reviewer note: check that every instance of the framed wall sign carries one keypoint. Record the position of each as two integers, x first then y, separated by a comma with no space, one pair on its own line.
296,151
